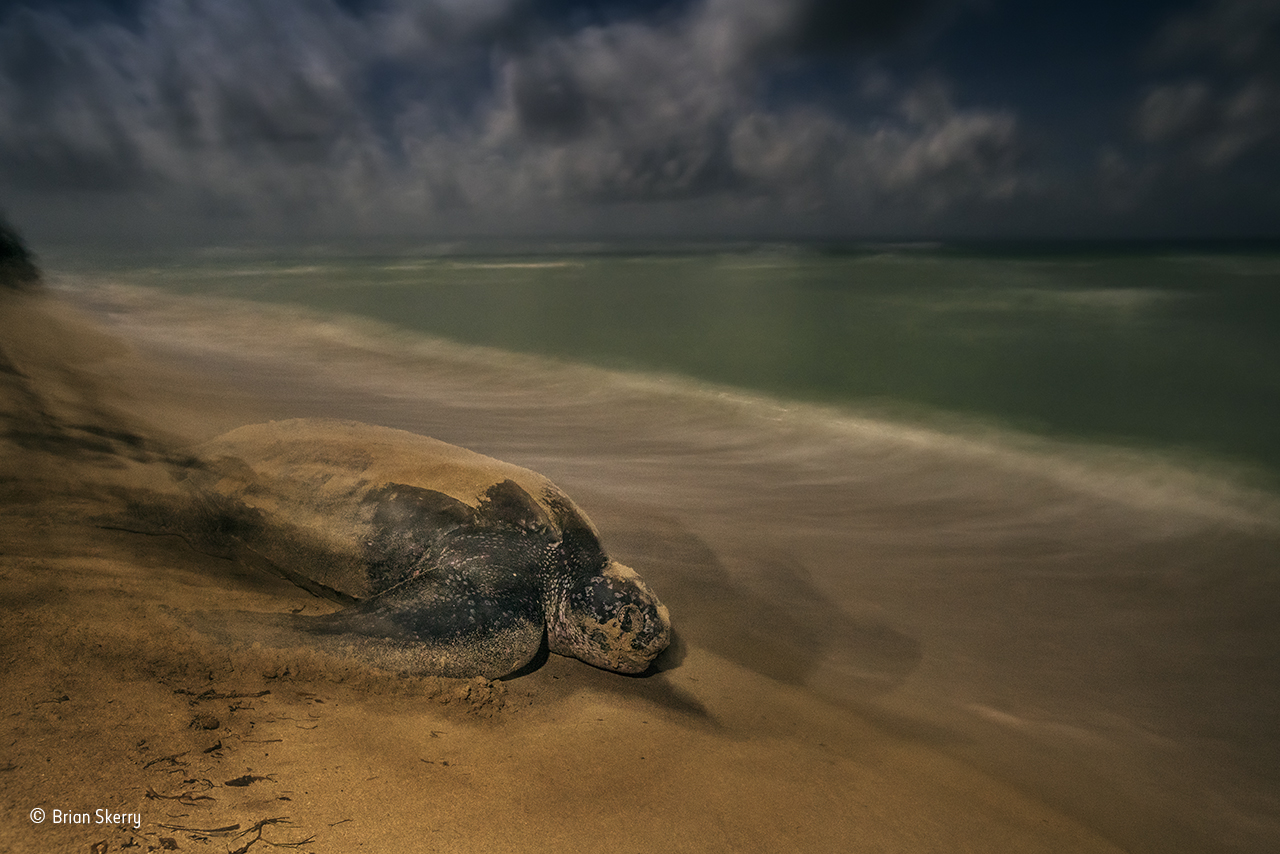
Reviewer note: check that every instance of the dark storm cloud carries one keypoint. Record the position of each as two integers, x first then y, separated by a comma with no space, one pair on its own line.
1226,102
410,115
1205,127
396,114
547,98
636,112
82,141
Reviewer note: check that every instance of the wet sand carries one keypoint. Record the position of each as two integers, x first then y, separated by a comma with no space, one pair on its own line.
799,710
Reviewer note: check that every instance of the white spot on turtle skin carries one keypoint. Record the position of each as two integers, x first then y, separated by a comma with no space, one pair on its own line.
575,629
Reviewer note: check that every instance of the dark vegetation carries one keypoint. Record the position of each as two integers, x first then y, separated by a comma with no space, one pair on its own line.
17,265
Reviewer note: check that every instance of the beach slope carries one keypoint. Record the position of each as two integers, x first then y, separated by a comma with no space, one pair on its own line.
134,725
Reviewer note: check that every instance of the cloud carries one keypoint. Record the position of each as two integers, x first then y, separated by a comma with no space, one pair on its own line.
1236,32
1229,107
1173,110
402,115
1198,154
211,106
632,112
926,156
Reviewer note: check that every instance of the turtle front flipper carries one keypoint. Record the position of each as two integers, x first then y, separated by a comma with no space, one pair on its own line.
477,610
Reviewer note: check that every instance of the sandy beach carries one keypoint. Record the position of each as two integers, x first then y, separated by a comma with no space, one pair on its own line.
779,721
639,426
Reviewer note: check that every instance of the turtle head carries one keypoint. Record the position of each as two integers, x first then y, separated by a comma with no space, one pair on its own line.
612,621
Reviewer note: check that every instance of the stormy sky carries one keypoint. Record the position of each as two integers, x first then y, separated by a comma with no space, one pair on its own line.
205,120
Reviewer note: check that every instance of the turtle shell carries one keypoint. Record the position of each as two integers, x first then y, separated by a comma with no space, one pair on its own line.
355,508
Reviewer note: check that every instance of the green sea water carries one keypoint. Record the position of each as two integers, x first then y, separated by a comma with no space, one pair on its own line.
1173,347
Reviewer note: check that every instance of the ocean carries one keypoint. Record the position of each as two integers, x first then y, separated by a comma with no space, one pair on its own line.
1145,346
1020,503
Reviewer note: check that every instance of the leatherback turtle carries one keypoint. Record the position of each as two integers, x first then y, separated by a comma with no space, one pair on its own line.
451,562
